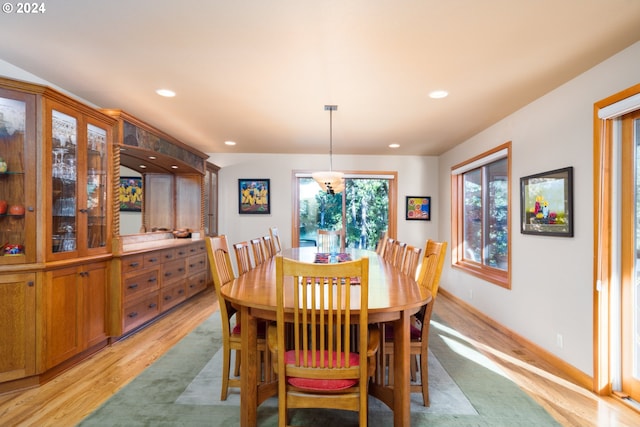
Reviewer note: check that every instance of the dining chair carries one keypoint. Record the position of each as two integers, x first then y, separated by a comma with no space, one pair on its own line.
382,243
429,278
268,247
258,251
275,240
331,241
222,272
411,260
399,250
243,258
388,250
319,369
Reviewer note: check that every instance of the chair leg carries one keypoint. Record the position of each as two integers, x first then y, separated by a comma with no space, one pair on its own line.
266,365
236,369
414,367
424,378
226,365
390,370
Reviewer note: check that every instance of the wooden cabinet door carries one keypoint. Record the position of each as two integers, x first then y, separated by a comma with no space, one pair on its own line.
78,185
93,288
61,316
159,210
189,202
75,311
18,136
17,326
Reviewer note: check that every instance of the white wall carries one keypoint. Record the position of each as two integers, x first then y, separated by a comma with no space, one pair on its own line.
417,176
552,277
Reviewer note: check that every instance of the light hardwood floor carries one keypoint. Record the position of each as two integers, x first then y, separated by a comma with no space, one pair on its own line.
67,399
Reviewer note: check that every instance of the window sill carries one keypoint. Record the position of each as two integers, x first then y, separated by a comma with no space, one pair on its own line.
493,275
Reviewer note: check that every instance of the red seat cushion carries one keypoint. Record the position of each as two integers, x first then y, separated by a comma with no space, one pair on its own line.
313,384
416,334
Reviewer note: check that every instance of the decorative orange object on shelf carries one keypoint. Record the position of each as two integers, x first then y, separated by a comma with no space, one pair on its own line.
3,207
16,210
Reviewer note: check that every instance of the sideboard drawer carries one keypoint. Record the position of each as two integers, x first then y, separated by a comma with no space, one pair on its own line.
139,312
132,263
196,283
140,284
152,259
196,263
172,295
174,270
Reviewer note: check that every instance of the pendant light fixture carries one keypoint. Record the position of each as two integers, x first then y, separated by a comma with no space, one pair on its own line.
330,181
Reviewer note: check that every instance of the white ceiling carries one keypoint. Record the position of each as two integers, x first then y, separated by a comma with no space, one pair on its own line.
259,72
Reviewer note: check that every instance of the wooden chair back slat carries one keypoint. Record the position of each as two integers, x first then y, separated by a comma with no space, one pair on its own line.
243,258
258,251
275,240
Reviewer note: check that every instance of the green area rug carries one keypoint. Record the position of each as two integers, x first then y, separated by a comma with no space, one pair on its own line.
183,389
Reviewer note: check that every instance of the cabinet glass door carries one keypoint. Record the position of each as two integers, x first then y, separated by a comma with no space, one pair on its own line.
13,186
96,179
64,174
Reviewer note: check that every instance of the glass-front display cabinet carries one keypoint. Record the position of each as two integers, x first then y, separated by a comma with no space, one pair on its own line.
17,177
80,199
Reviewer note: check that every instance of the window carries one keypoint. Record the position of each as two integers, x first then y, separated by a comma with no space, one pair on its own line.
481,204
366,206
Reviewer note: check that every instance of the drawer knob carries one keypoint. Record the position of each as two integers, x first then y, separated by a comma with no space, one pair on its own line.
153,259
134,264
133,286
153,305
133,314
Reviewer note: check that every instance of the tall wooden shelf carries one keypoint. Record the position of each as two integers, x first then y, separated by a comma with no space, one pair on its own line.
62,254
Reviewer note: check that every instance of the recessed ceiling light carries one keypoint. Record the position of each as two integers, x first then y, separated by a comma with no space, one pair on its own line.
166,93
437,94
174,167
394,145
143,166
229,143
152,157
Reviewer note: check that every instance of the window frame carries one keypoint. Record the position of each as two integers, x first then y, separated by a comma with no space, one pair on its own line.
479,269
392,176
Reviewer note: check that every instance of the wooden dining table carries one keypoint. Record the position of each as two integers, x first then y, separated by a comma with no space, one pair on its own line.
393,297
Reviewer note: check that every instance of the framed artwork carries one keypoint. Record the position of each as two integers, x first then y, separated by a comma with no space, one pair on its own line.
254,196
546,203
418,208
130,194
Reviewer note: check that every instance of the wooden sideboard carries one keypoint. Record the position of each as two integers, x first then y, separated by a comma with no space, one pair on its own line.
150,278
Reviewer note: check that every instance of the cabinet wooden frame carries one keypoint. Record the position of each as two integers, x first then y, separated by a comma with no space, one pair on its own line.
84,117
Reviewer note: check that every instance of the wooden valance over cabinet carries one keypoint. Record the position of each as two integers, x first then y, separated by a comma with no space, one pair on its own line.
173,174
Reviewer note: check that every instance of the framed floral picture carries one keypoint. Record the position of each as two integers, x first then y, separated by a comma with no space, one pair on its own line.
130,194
546,203
418,208
254,196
